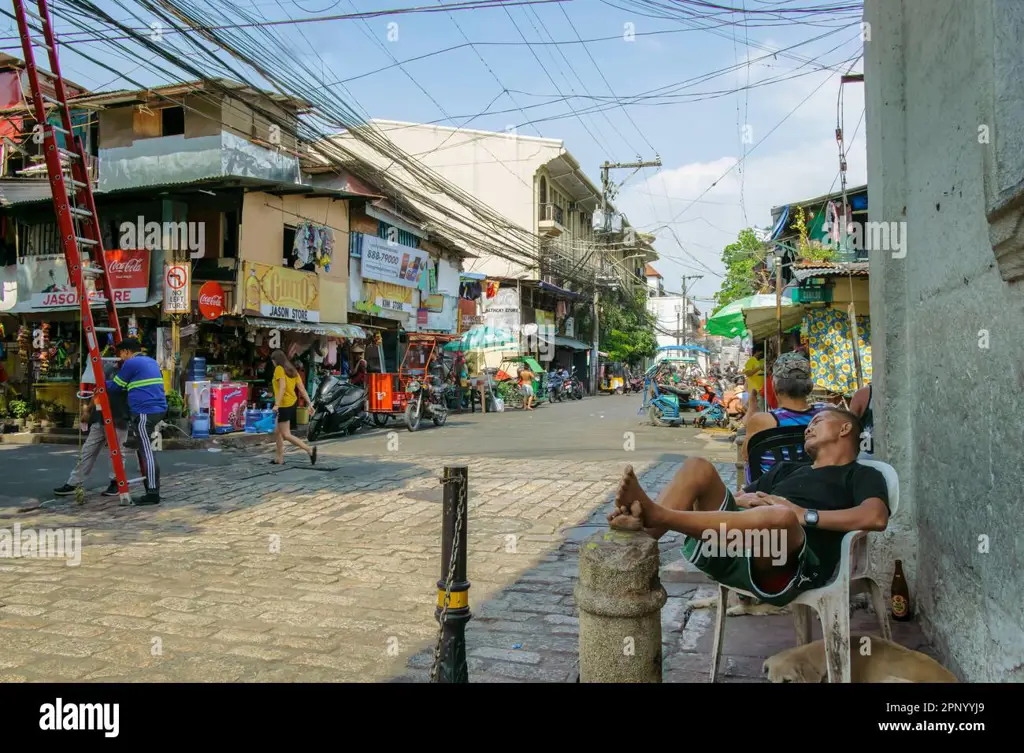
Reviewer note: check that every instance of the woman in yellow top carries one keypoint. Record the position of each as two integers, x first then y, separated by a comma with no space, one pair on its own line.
753,369
286,383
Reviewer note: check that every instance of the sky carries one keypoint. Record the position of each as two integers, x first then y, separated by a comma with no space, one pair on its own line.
732,146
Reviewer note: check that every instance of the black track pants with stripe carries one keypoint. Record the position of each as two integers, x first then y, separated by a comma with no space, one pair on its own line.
142,426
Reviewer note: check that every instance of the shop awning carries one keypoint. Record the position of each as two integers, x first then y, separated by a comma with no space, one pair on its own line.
562,292
762,322
568,342
351,331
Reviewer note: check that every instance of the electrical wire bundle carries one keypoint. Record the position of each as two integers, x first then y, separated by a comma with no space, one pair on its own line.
195,35
363,149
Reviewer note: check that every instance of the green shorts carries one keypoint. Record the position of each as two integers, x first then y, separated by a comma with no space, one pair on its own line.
731,565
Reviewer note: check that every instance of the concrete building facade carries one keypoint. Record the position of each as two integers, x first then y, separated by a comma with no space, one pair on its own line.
945,147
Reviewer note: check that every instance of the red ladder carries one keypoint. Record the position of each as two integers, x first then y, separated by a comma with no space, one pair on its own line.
76,216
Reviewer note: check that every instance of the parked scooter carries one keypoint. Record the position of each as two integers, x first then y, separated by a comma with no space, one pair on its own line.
338,407
556,386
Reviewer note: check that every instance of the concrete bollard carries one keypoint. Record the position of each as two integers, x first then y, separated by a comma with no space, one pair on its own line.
620,597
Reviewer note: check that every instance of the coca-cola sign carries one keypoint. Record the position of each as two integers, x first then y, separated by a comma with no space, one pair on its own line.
45,279
211,300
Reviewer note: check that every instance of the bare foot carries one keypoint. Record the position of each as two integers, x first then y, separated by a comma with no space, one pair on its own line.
632,502
625,519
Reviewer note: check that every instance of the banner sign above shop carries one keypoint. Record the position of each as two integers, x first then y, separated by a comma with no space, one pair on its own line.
392,262
46,280
281,293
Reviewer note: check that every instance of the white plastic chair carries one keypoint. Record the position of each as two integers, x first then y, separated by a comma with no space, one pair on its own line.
831,602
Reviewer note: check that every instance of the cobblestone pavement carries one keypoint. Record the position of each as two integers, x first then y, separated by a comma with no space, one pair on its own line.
251,572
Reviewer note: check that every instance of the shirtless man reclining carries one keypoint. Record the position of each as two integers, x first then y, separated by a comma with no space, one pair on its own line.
803,508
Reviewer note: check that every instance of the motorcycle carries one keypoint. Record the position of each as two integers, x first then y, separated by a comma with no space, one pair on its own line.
556,386
338,407
575,385
426,398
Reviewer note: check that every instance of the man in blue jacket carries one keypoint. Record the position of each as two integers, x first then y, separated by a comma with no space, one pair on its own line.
141,378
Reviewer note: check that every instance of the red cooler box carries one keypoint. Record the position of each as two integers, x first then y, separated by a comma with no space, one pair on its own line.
228,401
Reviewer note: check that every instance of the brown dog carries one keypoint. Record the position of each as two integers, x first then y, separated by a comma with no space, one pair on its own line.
872,660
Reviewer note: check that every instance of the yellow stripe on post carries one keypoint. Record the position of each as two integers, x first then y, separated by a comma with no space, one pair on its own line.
456,600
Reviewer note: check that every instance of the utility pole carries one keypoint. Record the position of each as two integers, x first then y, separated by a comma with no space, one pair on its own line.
607,193
686,307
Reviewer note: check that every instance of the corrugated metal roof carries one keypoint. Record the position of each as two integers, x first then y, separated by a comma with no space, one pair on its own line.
126,96
804,270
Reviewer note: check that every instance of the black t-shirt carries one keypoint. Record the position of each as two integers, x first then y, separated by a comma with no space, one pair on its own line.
834,487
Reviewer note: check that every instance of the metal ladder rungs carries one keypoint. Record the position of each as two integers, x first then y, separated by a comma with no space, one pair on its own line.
66,153
80,212
110,359
104,329
136,480
76,184
86,241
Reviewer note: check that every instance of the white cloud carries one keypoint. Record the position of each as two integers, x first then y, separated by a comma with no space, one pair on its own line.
798,161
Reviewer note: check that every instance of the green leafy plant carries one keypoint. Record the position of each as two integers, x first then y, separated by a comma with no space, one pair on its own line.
19,409
175,402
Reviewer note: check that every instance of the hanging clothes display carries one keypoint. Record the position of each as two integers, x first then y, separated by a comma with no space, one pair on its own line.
314,244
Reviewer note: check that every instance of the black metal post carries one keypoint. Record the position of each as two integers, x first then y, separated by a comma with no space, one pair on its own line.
452,666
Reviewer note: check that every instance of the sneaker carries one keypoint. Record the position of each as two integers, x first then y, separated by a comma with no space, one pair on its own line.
111,490
149,498
64,491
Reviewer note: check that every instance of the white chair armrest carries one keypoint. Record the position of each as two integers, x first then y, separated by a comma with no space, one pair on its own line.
847,567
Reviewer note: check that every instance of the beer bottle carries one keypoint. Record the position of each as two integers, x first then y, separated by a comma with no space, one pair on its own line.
900,604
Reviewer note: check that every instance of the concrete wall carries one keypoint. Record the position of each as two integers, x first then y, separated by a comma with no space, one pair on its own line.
949,361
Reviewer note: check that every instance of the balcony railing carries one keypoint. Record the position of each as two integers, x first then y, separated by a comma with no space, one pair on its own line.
552,219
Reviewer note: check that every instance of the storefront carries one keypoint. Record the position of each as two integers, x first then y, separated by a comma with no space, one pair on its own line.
44,353
282,309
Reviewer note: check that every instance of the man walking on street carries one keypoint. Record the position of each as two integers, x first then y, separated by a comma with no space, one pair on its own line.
96,442
141,378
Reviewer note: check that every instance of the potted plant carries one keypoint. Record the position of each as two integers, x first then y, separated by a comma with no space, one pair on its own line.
176,412
35,417
19,411
55,414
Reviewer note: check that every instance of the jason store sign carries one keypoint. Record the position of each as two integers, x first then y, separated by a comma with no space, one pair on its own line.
46,280
281,293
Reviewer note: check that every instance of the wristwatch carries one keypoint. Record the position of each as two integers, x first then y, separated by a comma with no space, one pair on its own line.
810,517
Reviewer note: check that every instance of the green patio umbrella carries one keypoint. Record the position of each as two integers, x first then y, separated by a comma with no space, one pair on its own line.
484,338
728,321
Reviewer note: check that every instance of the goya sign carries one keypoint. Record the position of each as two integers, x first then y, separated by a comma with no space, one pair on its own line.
281,293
